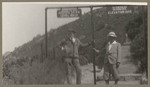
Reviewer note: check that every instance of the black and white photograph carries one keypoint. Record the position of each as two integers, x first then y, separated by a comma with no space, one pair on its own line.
74,43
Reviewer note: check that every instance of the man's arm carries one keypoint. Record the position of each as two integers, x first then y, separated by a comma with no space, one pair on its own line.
96,50
83,44
119,53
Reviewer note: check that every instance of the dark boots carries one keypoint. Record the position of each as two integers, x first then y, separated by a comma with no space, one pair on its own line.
116,81
107,82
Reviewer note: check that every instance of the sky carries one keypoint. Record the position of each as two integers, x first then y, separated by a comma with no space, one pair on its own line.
21,21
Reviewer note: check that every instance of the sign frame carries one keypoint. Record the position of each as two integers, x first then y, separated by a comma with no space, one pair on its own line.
69,13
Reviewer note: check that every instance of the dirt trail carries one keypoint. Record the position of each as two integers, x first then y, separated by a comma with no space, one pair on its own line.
126,67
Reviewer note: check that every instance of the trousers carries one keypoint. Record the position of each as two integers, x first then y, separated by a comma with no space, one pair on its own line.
69,62
110,69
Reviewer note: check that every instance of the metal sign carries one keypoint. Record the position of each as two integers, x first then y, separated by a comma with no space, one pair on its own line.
69,12
119,10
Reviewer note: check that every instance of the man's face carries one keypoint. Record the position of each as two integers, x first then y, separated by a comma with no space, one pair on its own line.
71,34
111,38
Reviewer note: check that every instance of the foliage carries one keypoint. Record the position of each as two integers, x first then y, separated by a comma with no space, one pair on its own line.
137,32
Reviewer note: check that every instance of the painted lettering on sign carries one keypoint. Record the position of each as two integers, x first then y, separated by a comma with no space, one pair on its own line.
71,12
120,10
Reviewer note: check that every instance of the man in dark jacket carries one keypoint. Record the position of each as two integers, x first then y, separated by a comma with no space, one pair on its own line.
70,49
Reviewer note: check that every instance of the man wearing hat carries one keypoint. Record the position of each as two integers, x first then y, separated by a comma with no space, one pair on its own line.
70,47
112,58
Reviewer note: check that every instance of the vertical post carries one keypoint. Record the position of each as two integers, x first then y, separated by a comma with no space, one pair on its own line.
93,44
46,32
145,34
54,31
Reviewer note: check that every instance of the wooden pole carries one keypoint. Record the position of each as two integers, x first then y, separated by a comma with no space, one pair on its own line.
93,44
46,32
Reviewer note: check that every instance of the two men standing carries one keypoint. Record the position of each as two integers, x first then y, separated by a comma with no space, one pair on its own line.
111,61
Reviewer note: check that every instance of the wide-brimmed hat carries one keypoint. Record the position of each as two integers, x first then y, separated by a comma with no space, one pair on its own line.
112,34
71,30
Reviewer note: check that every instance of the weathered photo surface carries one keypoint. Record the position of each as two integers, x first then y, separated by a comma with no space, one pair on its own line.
74,43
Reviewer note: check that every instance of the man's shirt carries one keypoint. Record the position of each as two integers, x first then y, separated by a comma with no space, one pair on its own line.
71,47
110,44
